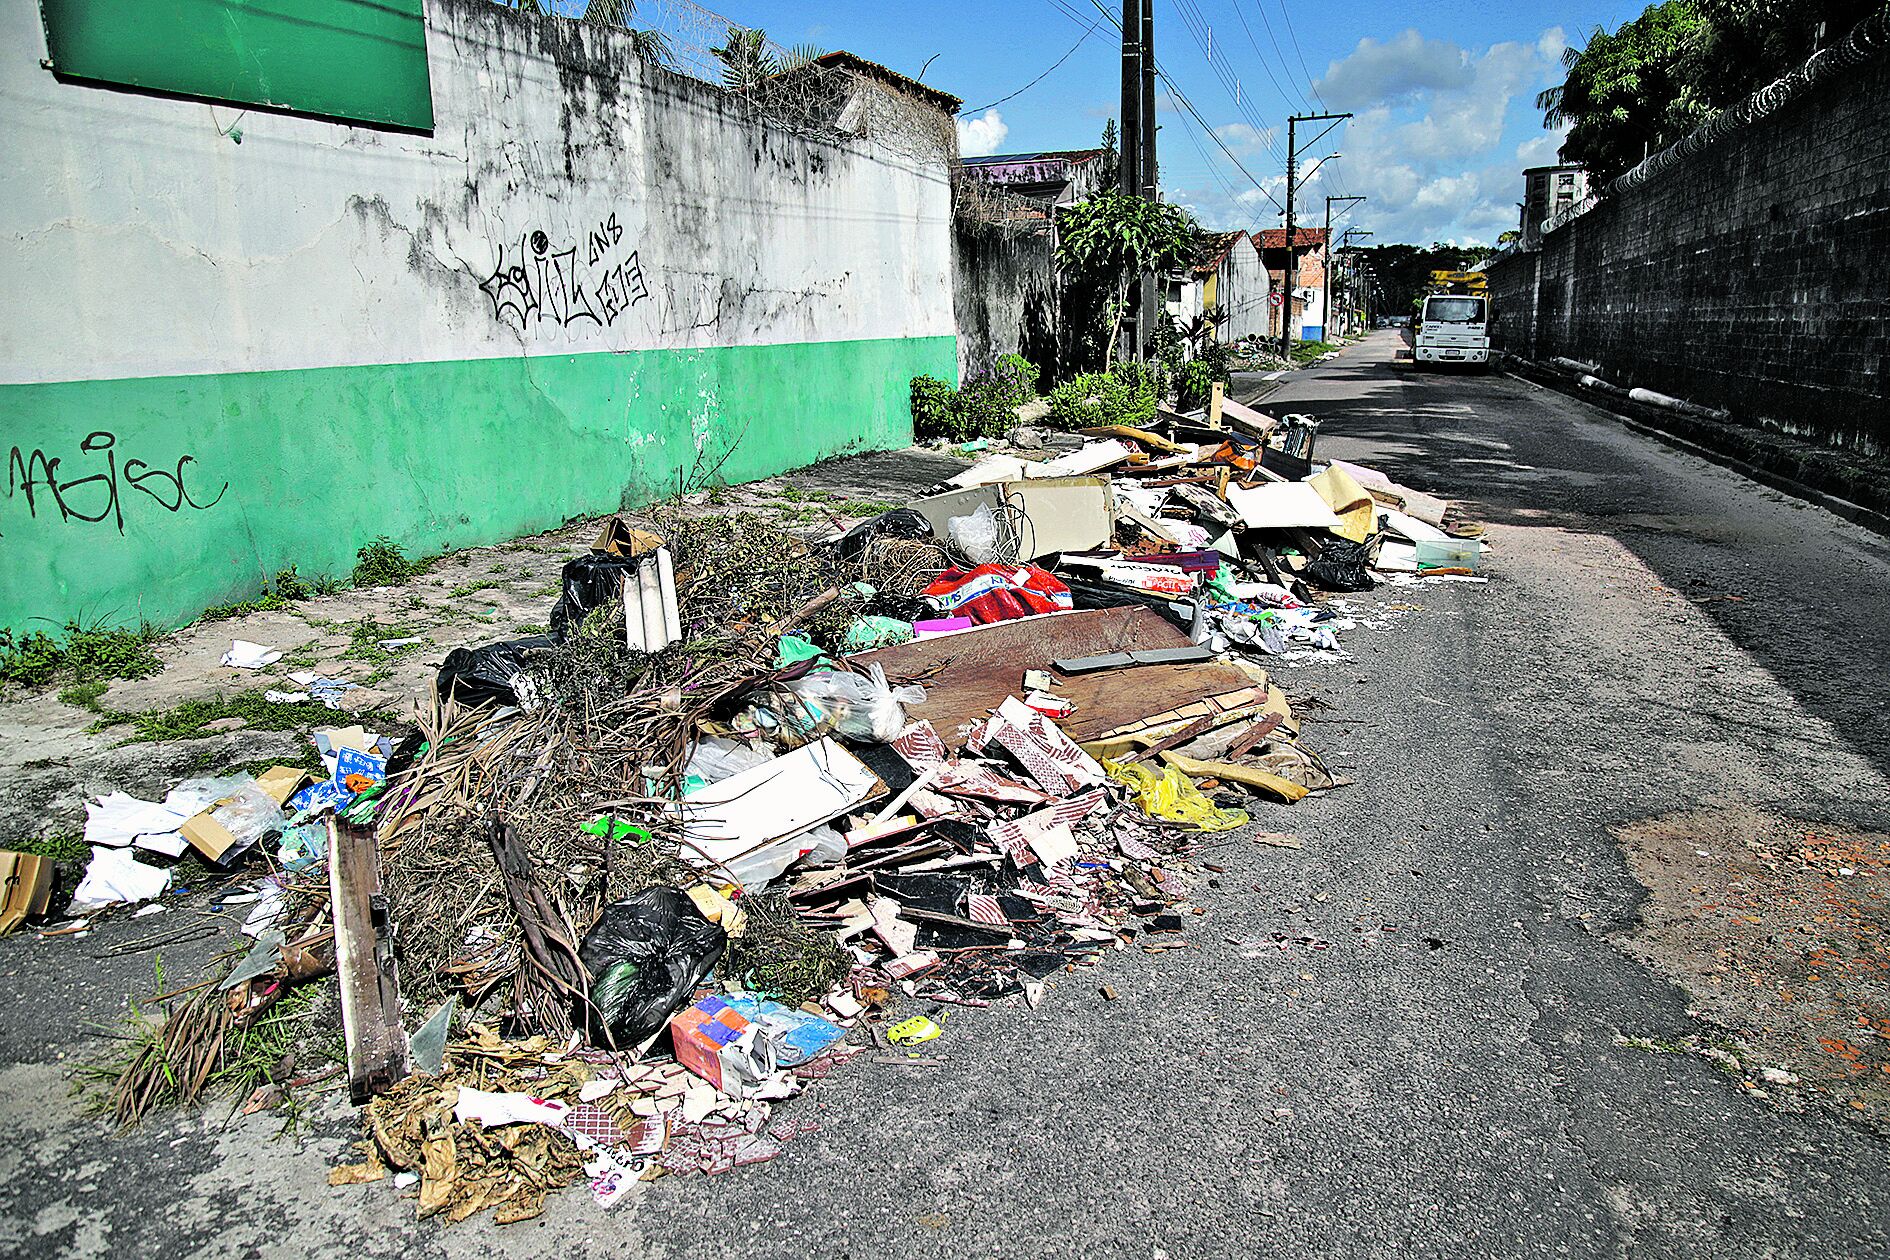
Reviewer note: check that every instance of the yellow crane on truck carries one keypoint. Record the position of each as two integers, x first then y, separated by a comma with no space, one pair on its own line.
1454,320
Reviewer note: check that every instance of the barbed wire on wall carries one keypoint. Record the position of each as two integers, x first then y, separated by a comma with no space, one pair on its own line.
981,201
787,87
1867,40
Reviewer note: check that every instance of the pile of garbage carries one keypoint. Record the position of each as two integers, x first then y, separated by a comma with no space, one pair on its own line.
757,804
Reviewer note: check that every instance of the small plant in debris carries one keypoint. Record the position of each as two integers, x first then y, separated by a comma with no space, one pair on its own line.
60,848
472,588
382,562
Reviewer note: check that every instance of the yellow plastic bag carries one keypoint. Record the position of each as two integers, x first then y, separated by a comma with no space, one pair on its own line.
1172,796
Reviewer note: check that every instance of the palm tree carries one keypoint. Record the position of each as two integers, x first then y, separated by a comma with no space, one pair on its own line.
748,62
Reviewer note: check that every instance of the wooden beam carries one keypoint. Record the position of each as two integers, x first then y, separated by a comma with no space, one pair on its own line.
364,963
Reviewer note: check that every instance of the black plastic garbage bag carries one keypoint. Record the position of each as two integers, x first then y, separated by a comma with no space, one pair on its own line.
645,956
898,523
588,582
1343,566
489,673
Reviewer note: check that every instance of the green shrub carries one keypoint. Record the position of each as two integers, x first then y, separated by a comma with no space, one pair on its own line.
931,407
382,563
985,407
89,654
1194,384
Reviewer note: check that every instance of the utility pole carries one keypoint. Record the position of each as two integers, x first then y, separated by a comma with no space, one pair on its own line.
1130,178
1292,158
1149,303
1327,325
1357,287
1138,175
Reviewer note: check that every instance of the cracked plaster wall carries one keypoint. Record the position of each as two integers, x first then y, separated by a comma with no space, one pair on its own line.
587,280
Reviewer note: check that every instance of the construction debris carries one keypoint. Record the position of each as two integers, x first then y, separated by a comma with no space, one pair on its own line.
755,803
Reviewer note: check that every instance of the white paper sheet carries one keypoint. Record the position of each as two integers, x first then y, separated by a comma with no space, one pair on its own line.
1284,505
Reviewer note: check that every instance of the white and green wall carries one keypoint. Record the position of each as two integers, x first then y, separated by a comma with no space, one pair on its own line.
244,338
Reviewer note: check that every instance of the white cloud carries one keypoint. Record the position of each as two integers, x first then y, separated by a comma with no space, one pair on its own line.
983,135
1396,70
1440,137
1541,150
1245,140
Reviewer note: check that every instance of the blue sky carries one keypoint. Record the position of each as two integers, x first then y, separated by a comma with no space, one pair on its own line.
1443,92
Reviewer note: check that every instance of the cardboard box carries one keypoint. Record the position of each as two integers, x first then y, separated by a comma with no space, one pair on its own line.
25,888
717,1043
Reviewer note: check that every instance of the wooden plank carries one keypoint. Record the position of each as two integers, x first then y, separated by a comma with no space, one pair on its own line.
364,964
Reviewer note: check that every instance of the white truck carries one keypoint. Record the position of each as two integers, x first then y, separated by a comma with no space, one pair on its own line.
1454,328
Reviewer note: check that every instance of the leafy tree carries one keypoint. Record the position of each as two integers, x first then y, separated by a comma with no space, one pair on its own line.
1680,62
1628,93
1749,43
1402,271
1109,166
1112,240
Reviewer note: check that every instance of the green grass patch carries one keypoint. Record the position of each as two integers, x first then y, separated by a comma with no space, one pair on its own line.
365,638
87,654
188,720
473,588
1306,351
84,695
61,848
864,507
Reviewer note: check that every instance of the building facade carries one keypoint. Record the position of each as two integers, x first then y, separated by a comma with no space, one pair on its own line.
1303,297
1547,190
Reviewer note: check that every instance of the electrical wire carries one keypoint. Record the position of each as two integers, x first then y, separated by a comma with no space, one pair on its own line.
1181,98
978,109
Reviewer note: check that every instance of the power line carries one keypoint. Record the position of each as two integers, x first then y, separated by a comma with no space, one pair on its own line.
1203,33
1040,78
1174,91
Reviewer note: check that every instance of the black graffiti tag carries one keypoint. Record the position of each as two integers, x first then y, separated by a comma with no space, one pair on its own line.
99,495
538,283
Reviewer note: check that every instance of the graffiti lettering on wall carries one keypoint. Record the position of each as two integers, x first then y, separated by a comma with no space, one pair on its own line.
98,494
594,278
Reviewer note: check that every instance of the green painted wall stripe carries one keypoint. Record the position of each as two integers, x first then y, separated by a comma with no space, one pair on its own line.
155,497
363,60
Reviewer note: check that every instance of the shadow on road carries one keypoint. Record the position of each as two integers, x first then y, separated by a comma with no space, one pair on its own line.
1800,591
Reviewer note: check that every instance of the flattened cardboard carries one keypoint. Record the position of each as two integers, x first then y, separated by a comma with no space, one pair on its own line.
25,888
208,836
282,782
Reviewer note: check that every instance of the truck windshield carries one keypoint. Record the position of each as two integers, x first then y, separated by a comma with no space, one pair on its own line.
1453,310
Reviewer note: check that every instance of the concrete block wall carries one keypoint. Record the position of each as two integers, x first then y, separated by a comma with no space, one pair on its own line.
1755,276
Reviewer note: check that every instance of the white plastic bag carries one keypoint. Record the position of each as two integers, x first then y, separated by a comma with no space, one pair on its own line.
862,706
717,759
977,536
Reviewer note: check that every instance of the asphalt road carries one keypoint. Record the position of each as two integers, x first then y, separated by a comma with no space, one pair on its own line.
1442,1078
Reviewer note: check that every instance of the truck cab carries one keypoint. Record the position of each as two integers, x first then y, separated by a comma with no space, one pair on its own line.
1453,328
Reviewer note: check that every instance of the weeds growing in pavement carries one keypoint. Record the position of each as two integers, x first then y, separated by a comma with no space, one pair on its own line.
87,654
190,719
61,848
383,562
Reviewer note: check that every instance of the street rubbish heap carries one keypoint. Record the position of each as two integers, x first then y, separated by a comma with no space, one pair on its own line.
757,804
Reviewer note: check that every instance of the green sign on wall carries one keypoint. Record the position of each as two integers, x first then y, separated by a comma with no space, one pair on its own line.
359,60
